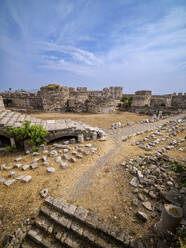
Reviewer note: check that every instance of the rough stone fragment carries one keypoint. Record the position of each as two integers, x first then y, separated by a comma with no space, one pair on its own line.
134,182
44,192
142,216
12,173
147,205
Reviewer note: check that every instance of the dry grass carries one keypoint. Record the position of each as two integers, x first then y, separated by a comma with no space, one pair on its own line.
103,121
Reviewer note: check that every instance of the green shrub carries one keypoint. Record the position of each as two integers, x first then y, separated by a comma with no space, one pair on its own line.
11,148
162,104
35,133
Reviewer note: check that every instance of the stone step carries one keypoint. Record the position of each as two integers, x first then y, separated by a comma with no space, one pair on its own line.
3,113
63,235
88,218
41,239
75,228
7,117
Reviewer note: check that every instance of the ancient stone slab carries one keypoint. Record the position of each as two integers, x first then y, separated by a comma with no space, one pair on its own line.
81,213
26,167
50,169
26,179
9,182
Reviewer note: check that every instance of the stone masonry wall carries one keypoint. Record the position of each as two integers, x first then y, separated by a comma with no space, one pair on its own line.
54,98
179,101
60,99
22,100
2,107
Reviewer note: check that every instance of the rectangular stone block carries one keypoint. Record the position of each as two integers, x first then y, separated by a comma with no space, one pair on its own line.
69,209
76,227
65,222
81,213
9,182
26,179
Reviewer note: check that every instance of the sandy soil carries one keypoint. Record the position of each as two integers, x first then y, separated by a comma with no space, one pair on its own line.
19,200
110,194
103,121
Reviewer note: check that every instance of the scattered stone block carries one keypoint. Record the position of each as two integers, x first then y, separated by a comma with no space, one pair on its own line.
63,164
44,158
50,169
35,160
10,182
73,160
34,166
19,177
2,179
35,154
12,173
58,159
26,179
53,153
46,163
18,165
65,156
18,159
25,167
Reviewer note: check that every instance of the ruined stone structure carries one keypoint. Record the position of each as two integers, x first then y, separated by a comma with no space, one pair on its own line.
142,98
145,98
22,99
1,103
56,98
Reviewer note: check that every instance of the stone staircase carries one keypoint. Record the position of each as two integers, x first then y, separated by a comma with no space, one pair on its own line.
60,224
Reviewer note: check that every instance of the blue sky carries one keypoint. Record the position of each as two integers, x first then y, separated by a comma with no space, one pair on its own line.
137,44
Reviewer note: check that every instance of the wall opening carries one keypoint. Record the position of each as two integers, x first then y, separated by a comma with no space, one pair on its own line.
64,140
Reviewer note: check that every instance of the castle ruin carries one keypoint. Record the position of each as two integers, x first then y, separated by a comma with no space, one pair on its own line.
56,98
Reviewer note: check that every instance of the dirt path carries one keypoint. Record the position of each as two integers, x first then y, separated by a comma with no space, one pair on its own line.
85,180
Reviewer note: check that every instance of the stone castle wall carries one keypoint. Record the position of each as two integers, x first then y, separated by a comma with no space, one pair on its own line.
144,98
179,101
2,107
23,100
56,98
